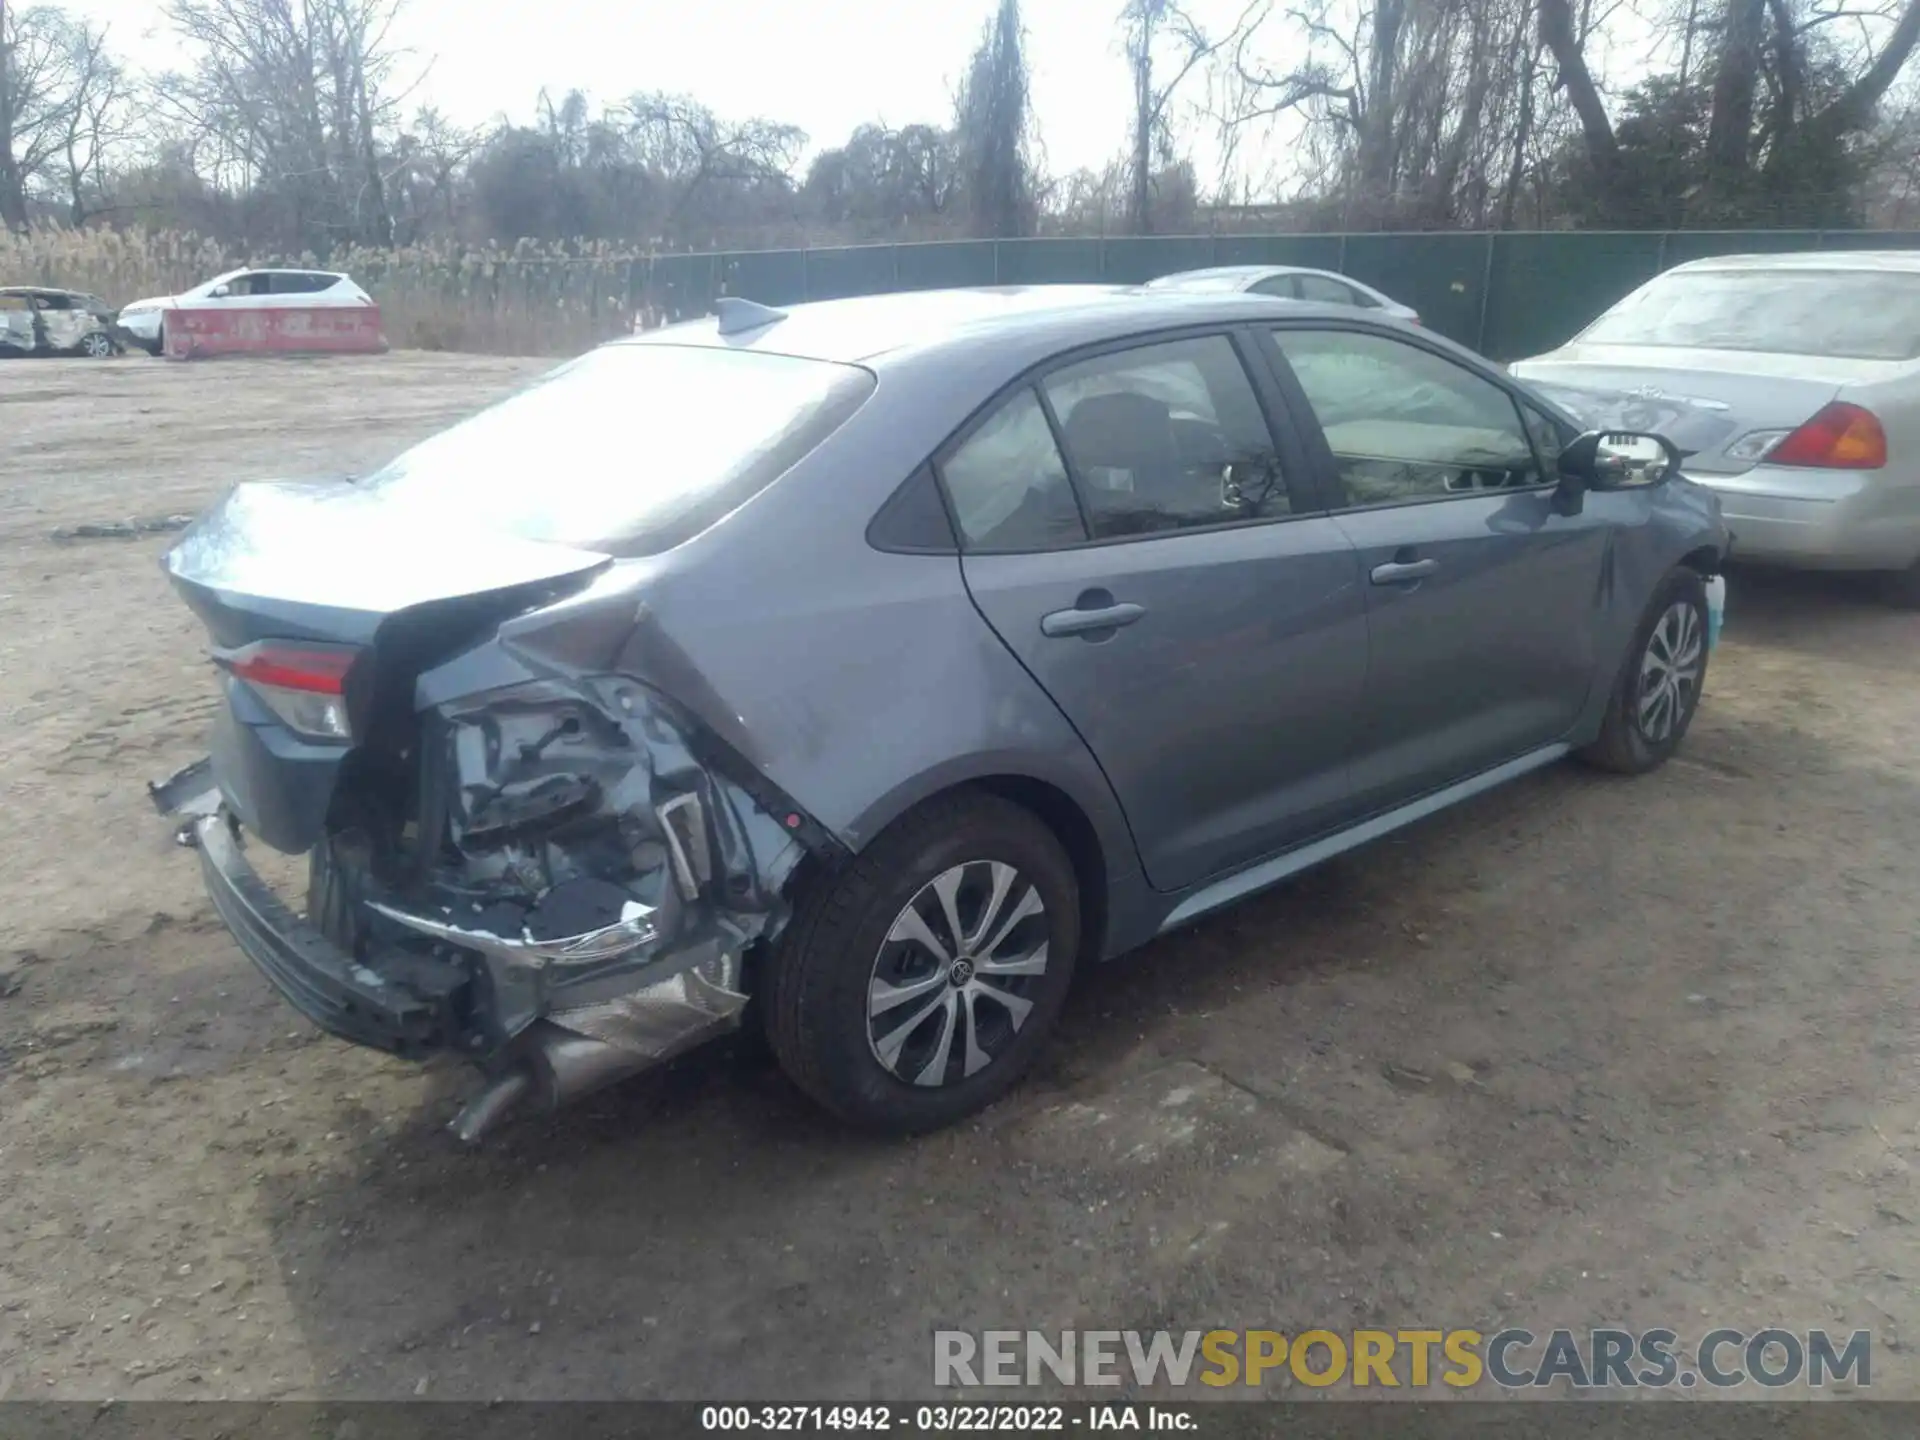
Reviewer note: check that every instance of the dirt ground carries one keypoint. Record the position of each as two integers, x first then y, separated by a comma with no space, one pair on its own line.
1586,1051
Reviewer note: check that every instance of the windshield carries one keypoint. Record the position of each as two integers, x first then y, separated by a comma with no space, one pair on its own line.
1836,314
632,448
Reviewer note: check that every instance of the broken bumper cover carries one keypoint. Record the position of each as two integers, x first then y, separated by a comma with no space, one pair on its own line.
315,976
566,1051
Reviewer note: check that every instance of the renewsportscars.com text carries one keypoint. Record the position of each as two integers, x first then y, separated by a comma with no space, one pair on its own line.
1512,1359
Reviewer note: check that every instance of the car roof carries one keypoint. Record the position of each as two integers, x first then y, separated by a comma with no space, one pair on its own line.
273,270
1236,272
46,290
1054,317
1809,260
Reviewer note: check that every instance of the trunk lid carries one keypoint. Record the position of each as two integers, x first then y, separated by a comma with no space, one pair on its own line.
1701,400
338,566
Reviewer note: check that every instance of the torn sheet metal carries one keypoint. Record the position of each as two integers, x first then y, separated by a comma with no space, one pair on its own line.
65,329
632,932
575,815
16,325
55,322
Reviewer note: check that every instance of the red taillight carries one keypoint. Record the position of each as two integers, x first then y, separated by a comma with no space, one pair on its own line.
289,667
304,685
1840,437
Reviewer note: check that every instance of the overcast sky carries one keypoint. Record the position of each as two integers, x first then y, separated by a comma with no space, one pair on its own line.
826,66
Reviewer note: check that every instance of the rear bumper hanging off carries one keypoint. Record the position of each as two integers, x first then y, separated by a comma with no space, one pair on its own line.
565,1053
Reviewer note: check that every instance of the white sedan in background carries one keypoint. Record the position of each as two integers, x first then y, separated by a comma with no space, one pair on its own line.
1794,380
1289,282
144,320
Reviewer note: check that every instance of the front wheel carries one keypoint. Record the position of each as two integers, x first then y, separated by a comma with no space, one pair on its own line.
1658,689
916,985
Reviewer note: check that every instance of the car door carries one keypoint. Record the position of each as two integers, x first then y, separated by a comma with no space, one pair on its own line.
1483,601
1136,533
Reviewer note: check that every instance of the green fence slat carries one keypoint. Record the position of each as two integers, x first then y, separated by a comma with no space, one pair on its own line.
1871,240
1685,245
1545,288
940,264
847,270
1439,274
771,277
1134,259
1315,252
1049,262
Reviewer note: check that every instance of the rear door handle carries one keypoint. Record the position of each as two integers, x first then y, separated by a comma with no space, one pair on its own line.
1397,571
1079,622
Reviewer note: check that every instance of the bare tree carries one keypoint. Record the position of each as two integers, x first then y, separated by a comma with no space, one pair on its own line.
991,125
100,122
1149,26
55,78
1413,109
293,101
694,151
1787,108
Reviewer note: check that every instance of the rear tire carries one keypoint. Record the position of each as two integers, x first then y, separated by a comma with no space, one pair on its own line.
1657,692
896,1035
97,345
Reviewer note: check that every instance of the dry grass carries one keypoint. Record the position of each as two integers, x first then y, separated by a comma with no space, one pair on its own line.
530,300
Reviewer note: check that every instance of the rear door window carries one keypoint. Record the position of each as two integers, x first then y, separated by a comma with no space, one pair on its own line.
1326,291
300,282
1008,484
1167,437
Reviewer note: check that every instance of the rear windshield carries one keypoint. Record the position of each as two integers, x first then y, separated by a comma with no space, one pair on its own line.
631,448
1837,314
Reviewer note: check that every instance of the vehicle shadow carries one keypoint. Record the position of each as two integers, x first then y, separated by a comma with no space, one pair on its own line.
706,1232
1818,614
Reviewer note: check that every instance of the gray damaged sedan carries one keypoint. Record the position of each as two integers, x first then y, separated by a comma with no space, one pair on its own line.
865,671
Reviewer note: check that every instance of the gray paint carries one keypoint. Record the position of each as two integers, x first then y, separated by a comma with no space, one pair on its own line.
1268,699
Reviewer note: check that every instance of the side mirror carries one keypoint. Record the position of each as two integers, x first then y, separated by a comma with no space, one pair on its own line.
1619,460
1613,460
220,292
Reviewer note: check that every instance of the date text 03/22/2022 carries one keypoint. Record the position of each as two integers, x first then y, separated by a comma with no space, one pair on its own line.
945,1419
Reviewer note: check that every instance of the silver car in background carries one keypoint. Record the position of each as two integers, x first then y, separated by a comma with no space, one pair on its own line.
1794,380
1288,282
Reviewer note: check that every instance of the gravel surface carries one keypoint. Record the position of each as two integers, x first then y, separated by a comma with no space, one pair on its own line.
1585,1051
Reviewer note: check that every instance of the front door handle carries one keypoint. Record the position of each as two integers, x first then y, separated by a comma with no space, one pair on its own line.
1399,571
1081,622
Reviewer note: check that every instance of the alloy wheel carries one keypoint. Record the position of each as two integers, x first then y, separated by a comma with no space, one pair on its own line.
1670,672
956,976
97,346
